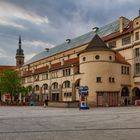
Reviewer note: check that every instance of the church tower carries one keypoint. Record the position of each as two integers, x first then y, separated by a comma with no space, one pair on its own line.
19,55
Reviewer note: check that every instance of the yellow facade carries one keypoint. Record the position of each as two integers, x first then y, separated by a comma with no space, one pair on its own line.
111,82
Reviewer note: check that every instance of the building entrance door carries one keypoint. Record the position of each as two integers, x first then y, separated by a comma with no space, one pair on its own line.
55,96
100,99
113,99
107,98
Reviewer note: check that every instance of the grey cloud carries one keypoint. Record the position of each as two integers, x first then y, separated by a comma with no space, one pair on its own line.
67,19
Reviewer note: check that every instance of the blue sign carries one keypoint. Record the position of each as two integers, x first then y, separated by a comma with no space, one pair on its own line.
83,90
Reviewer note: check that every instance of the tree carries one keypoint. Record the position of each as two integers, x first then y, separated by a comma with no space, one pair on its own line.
10,83
24,91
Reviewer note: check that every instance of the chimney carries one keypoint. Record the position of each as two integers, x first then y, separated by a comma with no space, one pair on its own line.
121,24
47,49
68,40
95,29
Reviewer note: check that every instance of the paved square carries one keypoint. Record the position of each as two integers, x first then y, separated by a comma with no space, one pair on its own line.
38,123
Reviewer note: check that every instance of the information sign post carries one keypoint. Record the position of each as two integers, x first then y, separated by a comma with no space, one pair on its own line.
83,93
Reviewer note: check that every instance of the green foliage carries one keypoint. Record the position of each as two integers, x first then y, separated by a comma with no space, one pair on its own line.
25,90
10,83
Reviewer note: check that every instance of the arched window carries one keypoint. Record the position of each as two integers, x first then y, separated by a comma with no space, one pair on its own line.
45,87
55,85
36,87
66,84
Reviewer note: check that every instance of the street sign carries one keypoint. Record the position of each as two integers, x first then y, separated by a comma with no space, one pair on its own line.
83,90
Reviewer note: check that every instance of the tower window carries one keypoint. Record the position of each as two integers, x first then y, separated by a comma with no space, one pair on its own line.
98,79
97,57
84,58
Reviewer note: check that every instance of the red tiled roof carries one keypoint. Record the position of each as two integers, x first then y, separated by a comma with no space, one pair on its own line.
7,67
71,61
27,73
120,59
56,65
41,70
53,66
117,34
37,71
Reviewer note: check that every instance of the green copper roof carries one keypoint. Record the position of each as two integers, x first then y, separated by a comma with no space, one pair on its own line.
86,38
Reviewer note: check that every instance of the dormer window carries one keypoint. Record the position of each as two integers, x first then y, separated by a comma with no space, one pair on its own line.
112,44
126,40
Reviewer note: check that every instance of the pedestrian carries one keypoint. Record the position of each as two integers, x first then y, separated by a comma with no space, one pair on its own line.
45,103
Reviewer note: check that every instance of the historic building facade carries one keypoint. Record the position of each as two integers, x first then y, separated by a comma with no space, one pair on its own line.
107,60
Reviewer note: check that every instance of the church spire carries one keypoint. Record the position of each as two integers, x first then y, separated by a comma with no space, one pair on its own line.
19,54
19,43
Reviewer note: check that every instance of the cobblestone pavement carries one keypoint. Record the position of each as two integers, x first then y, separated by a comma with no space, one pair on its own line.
38,123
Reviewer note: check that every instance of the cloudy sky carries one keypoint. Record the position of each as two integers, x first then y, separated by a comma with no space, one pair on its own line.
46,23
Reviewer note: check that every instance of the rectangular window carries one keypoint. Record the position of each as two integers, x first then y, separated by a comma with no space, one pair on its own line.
137,68
126,40
124,70
127,70
63,72
112,44
136,35
98,79
66,72
111,79
54,74
29,79
137,50
36,78
67,94
44,76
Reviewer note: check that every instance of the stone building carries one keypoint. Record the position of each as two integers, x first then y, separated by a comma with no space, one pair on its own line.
107,60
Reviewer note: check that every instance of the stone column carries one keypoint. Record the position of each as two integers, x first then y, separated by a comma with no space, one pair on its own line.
49,94
73,92
60,93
